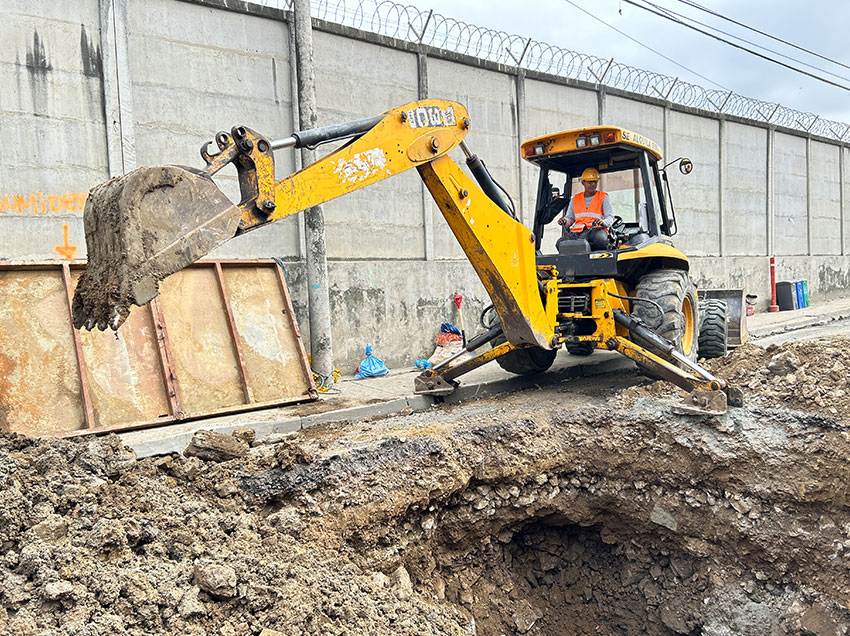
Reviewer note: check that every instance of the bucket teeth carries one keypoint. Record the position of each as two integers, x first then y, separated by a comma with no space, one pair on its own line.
140,228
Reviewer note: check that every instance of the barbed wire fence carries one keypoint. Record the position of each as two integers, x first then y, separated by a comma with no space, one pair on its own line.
411,24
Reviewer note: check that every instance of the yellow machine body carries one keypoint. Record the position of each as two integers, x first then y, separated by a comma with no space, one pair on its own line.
418,135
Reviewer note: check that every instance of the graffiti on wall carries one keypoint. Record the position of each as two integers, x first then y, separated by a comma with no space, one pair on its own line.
42,204
66,249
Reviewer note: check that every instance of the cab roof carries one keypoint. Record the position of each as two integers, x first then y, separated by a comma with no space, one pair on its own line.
579,140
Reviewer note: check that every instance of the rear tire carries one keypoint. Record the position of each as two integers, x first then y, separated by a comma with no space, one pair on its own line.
528,361
713,330
674,291
582,349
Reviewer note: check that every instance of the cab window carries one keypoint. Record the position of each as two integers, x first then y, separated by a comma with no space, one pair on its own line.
626,192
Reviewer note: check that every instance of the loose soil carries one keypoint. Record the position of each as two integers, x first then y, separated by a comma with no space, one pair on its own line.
809,374
571,509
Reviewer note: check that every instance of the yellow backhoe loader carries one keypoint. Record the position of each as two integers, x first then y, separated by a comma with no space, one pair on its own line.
635,297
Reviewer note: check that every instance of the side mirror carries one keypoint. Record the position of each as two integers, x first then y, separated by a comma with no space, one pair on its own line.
686,166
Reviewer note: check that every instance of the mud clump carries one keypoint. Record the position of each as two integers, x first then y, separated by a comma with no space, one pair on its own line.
534,513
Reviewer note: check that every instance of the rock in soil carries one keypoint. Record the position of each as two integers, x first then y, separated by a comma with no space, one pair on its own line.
216,579
215,447
545,512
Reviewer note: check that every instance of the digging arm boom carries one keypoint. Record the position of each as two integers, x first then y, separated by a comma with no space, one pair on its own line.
417,135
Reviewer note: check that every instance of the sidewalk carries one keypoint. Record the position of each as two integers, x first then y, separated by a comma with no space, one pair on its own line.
821,313
379,397
363,399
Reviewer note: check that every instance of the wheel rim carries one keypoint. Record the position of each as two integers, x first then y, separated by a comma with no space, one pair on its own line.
690,326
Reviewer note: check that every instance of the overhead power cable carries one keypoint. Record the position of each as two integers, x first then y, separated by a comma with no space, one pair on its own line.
681,16
755,30
649,48
737,46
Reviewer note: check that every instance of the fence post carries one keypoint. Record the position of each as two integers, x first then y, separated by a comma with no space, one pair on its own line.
519,89
527,214
721,194
770,242
809,195
318,294
295,125
427,206
600,104
841,197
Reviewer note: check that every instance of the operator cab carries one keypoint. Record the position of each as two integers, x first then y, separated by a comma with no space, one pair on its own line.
628,164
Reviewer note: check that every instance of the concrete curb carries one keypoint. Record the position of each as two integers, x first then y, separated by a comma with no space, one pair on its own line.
174,438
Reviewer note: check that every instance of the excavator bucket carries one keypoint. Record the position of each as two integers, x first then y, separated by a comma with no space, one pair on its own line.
140,228
700,402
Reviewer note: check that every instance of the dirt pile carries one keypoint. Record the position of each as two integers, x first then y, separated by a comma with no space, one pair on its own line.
535,513
809,374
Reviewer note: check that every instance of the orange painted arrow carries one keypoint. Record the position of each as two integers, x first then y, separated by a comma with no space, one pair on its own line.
66,250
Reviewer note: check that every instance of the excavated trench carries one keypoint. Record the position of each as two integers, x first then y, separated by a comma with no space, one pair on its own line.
562,554
552,511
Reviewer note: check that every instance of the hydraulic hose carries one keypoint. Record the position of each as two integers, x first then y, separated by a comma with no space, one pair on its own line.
639,300
492,189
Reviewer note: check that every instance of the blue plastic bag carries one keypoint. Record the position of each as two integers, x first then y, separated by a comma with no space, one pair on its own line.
371,367
448,327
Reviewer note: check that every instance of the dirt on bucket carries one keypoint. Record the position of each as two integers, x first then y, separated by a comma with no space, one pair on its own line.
140,228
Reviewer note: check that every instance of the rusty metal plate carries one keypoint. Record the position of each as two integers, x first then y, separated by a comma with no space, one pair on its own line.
124,373
40,389
201,347
267,337
189,353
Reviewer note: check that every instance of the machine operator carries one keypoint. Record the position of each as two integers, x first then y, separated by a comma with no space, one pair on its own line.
589,214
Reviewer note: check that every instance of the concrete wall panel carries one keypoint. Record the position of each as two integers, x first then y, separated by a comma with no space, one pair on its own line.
825,194
490,98
745,190
233,70
51,115
397,307
646,119
553,107
357,79
696,196
789,200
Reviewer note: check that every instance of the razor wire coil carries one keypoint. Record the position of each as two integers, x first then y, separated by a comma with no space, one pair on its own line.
411,24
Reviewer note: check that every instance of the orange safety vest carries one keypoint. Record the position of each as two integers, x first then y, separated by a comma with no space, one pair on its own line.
585,215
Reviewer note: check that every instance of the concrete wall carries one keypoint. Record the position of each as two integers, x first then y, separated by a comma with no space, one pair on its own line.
744,190
126,82
790,212
697,195
52,121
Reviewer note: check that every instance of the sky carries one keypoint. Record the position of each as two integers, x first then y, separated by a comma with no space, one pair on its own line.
819,25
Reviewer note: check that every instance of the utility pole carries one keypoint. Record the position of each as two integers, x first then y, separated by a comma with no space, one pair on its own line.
318,295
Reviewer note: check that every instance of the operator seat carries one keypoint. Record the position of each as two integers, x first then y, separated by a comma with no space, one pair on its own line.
567,246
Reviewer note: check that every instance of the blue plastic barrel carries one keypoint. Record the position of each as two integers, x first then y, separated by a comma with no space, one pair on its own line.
798,290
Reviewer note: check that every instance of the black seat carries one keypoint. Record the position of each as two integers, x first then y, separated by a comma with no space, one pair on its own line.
638,238
566,246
